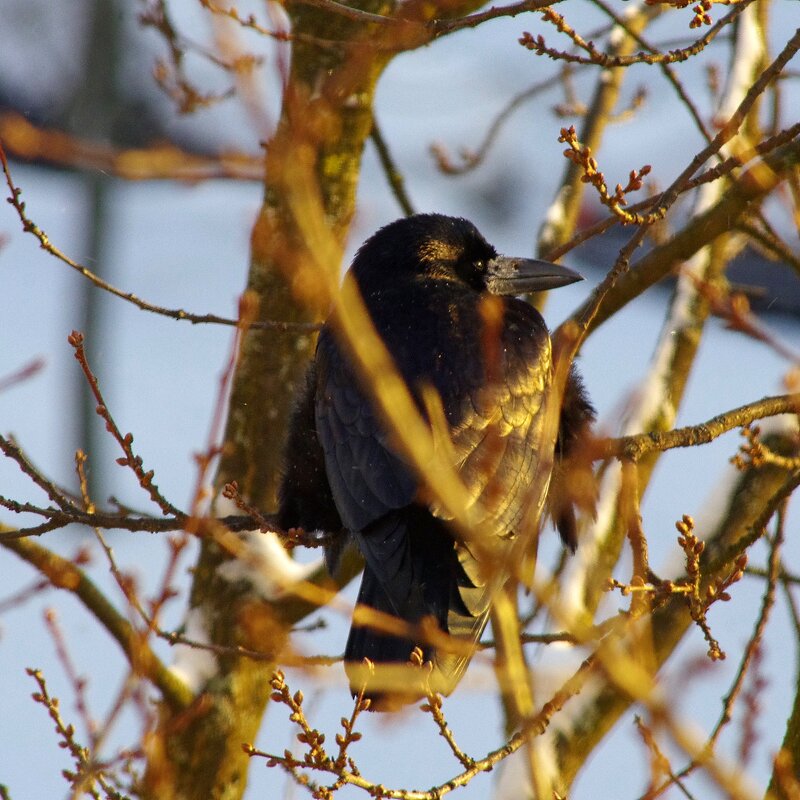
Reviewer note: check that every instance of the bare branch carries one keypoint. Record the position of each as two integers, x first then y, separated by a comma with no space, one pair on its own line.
633,448
725,167
24,140
31,227
534,726
393,174
599,58
63,574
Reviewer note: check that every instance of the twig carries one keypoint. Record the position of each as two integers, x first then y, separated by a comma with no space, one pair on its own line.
472,158
174,313
794,611
666,69
129,459
563,637
632,520
22,374
442,27
698,601
172,78
23,595
769,240
756,454
10,449
353,14
63,574
599,58
634,448
87,772
230,491
787,578
112,521
350,735
723,168
125,582
78,683
393,174
734,308
582,157
434,708
248,309
659,764
767,602
250,23
532,727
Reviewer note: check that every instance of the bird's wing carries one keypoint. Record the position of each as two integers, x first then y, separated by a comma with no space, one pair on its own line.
503,441
304,494
366,478
497,413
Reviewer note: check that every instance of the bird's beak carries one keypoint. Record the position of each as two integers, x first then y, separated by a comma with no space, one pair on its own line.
522,275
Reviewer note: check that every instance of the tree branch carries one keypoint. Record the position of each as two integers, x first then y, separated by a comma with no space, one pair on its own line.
63,574
175,313
633,448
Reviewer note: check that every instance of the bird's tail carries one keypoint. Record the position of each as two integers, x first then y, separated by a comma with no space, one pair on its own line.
429,596
376,661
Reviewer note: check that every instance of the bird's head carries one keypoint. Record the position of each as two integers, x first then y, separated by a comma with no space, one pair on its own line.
452,249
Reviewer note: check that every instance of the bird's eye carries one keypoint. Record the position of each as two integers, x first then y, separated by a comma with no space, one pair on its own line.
480,265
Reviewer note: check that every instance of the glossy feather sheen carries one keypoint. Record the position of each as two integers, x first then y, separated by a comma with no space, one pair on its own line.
495,426
423,282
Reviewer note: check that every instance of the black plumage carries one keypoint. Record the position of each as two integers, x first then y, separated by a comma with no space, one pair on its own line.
424,281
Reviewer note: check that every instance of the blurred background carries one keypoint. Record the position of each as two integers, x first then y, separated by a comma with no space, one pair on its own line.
90,70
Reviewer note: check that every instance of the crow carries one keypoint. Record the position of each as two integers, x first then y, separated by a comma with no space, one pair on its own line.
425,281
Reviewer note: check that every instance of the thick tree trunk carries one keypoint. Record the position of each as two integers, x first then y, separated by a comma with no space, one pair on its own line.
316,149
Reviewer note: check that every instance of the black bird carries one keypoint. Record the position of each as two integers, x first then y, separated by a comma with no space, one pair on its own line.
425,281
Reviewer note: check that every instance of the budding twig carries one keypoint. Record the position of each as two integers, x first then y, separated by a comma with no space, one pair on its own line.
582,157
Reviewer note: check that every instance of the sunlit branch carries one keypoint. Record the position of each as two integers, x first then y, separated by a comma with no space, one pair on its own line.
24,140
758,181
599,58
63,574
714,173
753,643
633,448
535,726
